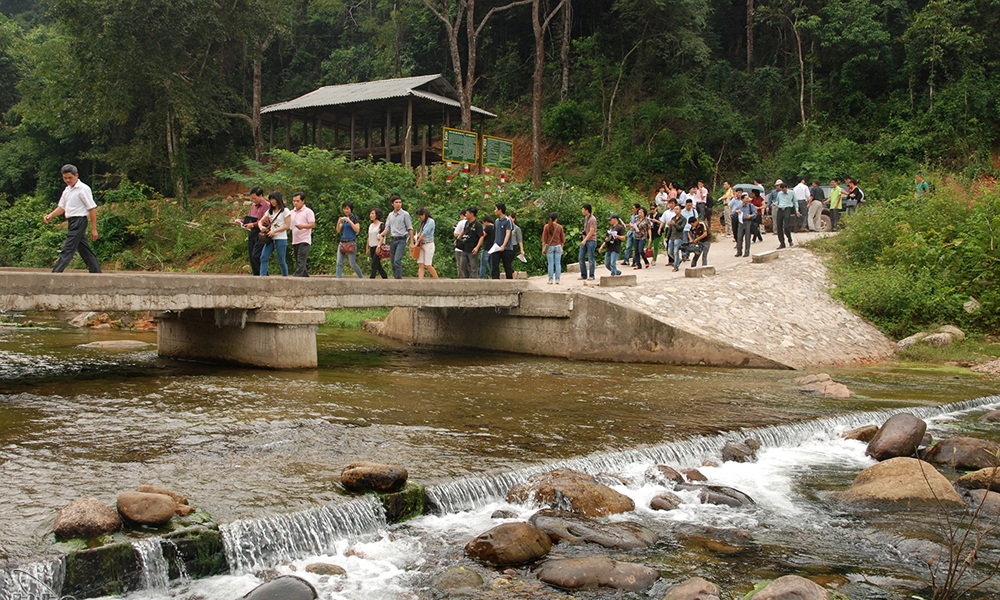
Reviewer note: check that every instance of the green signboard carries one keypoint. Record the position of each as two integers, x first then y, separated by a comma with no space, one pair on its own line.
498,152
460,146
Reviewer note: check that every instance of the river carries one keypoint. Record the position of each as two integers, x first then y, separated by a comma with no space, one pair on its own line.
79,421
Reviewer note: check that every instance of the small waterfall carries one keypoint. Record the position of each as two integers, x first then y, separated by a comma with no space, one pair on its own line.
182,572
471,493
34,581
259,543
155,571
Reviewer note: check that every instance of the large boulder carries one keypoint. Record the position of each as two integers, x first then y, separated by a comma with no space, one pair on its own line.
141,508
663,475
737,452
695,588
899,436
902,482
991,417
792,587
596,571
574,529
939,339
955,332
571,491
823,385
86,518
963,453
865,433
694,475
509,544
373,477
286,587
983,479
718,494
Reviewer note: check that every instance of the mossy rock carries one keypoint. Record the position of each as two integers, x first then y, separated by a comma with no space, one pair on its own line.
409,502
199,548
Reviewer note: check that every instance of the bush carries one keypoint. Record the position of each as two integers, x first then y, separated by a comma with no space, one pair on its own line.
911,263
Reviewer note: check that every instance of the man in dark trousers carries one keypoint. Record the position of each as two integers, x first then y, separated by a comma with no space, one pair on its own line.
259,206
77,203
502,230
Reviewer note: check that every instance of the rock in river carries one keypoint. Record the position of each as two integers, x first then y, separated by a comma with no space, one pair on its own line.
963,453
597,571
899,436
902,482
663,475
574,529
325,569
373,477
509,544
458,579
737,452
718,494
865,433
142,508
572,491
288,587
665,501
695,588
983,479
792,587
86,518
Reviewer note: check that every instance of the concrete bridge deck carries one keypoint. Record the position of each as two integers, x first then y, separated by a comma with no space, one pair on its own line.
33,290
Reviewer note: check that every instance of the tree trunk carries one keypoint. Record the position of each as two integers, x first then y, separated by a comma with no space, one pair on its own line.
749,36
538,26
470,64
567,31
176,174
258,134
802,75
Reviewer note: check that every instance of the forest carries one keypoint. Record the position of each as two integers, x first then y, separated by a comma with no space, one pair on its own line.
163,92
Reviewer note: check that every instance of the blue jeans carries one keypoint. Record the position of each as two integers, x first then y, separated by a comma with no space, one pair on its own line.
629,241
397,248
352,258
484,262
587,252
278,247
611,262
674,251
554,257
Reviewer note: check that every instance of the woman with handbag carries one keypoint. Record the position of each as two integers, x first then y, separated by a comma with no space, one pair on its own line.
348,227
642,233
377,248
277,222
425,242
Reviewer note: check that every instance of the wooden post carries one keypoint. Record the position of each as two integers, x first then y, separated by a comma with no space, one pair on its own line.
408,136
318,130
352,135
368,135
385,135
271,141
424,135
479,161
305,133
288,133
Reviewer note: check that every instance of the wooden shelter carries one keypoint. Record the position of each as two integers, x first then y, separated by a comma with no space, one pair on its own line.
397,119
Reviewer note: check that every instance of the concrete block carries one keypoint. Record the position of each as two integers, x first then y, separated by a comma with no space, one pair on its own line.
706,271
517,275
764,257
618,281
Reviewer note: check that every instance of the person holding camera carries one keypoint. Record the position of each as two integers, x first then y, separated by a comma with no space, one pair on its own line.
612,245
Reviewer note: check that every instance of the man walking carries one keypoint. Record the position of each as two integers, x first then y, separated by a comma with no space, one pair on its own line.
470,243
457,233
588,245
784,201
503,230
745,215
303,222
802,205
816,198
836,203
77,203
400,228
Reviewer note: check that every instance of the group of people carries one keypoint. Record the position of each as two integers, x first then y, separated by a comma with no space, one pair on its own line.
682,228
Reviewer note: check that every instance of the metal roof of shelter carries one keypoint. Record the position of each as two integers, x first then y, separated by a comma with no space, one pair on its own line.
433,88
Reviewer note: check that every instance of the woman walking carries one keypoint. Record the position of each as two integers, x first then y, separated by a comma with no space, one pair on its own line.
425,239
348,227
642,233
278,222
376,237
553,239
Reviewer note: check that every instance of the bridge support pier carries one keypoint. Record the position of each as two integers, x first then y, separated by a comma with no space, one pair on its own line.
272,339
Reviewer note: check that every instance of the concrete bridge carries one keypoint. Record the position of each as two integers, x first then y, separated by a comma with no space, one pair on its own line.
257,321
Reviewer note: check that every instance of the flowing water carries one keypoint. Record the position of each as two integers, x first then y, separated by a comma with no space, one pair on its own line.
263,451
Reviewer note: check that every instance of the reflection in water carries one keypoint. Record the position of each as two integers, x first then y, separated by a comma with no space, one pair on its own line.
78,422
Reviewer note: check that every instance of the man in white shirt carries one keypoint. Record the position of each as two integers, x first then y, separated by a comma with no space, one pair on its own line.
458,232
77,203
802,195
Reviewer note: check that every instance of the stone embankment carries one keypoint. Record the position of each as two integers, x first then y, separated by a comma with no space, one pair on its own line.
772,314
